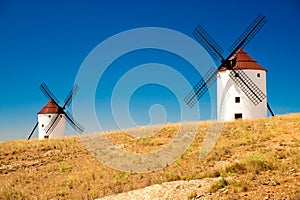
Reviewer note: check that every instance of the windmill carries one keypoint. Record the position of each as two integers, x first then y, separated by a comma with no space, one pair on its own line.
241,81
52,117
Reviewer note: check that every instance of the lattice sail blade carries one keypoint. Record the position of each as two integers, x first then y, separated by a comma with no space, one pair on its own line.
250,89
211,46
71,95
70,119
248,34
201,87
53,123
46,91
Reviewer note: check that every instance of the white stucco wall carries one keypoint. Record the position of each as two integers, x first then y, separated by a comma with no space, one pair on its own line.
44,120
227,91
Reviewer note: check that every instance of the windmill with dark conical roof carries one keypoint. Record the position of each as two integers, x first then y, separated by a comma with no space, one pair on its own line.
241,81
52,117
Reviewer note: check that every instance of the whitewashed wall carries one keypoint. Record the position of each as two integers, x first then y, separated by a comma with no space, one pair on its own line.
227,91
44,120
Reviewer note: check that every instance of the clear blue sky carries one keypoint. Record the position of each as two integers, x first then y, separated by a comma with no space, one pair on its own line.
47,41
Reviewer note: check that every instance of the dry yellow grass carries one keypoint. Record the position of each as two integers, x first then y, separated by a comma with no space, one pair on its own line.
255,158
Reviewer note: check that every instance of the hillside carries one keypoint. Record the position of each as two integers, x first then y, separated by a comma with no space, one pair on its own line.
253,159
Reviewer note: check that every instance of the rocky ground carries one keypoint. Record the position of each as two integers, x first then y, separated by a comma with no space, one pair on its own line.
200,189
176,190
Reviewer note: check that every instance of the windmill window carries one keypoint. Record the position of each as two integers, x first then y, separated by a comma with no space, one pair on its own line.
49,116
258,74
42,125
237,99
238,116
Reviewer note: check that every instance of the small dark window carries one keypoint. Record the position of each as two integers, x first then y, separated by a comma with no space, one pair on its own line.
258,74
237,99
42,125
238,116
49,116
46,136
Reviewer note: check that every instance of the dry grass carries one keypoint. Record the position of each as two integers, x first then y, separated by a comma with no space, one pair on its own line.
254,158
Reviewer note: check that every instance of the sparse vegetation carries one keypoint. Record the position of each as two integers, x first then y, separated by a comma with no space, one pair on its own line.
192,195
218,185
256,158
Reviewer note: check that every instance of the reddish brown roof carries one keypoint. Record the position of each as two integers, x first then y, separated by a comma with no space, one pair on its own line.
244,61
50,108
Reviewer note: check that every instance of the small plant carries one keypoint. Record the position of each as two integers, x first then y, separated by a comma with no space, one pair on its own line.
223,182
240,185
116,177
276,182
236,168
62,193
14,151
192,195
65,167
218,185
93,194
244,141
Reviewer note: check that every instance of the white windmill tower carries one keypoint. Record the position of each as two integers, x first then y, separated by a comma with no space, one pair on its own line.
49,112
232,102
52,117
241,85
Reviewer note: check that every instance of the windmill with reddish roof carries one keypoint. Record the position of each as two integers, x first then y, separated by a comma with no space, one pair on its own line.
52,117
241,81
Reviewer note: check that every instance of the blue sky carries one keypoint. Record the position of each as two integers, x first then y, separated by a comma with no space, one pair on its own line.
47,41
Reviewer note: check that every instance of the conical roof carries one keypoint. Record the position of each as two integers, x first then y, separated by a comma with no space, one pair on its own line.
50,108
243,61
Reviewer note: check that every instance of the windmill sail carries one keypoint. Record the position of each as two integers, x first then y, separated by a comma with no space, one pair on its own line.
211,46
57,112
249,88
238,76
53,123
70,96
46,91
70,119
201,87
248,34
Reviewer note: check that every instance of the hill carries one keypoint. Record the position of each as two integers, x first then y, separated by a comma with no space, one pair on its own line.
253,159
